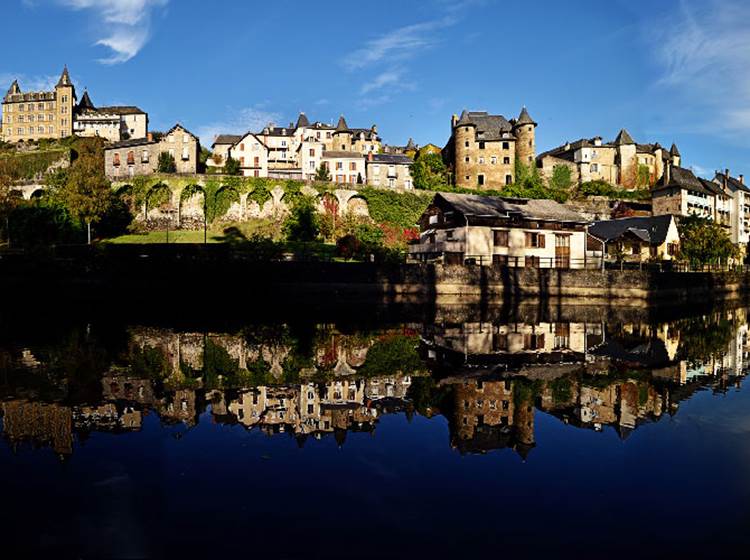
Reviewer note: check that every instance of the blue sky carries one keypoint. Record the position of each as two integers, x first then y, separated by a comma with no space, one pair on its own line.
667,71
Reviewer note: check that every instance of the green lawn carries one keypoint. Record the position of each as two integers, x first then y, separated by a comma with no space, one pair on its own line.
179,236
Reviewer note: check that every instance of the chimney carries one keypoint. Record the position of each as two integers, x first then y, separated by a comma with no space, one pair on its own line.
374,129
668,173
726,172
742,179
454,120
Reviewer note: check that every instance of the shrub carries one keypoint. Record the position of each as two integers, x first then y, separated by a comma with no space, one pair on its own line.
166,163
303,223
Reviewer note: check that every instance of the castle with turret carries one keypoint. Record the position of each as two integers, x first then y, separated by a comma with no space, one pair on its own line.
483,149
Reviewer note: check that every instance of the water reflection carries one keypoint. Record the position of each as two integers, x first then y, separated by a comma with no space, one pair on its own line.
488,378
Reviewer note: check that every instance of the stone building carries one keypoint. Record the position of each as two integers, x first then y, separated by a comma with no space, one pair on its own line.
114,123
296,151
636,239
389,170
483,148
141,156
39,114
737,206
220,149
683,194
57,114
617,162
252,155
503,231
345,166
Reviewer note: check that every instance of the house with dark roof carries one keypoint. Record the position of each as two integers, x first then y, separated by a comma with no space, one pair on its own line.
389,170
220,148
252,155
140,156
113,123
483,148
738,205
622,162
459,228
636,239
683,194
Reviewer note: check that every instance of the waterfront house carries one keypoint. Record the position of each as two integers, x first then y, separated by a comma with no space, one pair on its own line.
457,228
635,239
683,194
738,206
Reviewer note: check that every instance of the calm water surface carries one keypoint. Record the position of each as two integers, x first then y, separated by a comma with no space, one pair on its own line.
448,433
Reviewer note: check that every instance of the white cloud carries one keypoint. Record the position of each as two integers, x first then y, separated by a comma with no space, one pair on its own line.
249,119
393,79
28,83
704,54
125,24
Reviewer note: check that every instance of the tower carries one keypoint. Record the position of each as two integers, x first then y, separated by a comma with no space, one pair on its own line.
675,153
626,159
464,137
525,133
65,97
342,136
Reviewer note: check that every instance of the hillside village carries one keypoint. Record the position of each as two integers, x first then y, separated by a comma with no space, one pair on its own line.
498,201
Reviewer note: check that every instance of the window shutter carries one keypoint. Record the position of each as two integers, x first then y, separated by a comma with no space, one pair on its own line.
528,239
541,241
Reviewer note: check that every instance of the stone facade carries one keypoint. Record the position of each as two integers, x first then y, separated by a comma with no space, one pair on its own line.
57,114
141,157
389,170
252,155
483,148
37,115
616,162
345,166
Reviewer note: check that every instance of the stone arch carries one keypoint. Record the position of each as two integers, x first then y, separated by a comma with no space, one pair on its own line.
158,205
228,203
192,206
356,205
37,194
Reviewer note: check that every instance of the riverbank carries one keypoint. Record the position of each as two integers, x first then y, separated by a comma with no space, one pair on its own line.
217,271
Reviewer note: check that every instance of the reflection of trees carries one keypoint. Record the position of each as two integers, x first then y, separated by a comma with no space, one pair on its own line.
705,338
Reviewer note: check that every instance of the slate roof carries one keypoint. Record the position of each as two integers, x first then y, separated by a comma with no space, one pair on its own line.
302,121
395,159
624,137
732,182
674,151
342,126
132,143
342,154
86,103
652,229
524,117
497,207
227,139
489,127
64,78
686,179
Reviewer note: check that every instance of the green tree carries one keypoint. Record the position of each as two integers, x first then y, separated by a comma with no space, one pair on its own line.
87,194
232,166
703,241
166,163
7,200
429,172
643,177
322,174
561,178
303,224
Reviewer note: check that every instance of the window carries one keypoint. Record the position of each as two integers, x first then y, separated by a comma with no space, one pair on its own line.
466,143
40,106
509,179
116,160
449,234
242,147
312,152
283,143
481,145
131,158
340,178
50,129
256,162
144,156
506,160
22,108
466,160
185,154
311,165
480,179
339,165
20,131
31,118
19,118
352,166
481,160
242,161
535,240
506,145
531,261
64,98
376,169
500,238
407,184
40,130
185,139
493,160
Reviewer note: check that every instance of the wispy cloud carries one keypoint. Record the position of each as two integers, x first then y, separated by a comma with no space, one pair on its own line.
250,119
28,83
704,54
125,24
393,79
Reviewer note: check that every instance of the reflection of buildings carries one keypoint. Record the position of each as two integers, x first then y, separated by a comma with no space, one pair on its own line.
42,424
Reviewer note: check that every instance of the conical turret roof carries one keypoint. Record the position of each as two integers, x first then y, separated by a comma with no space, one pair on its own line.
524,117
624,138
342,126
14,88
302,120
85,102
410,144
464,119
64,78
674,151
